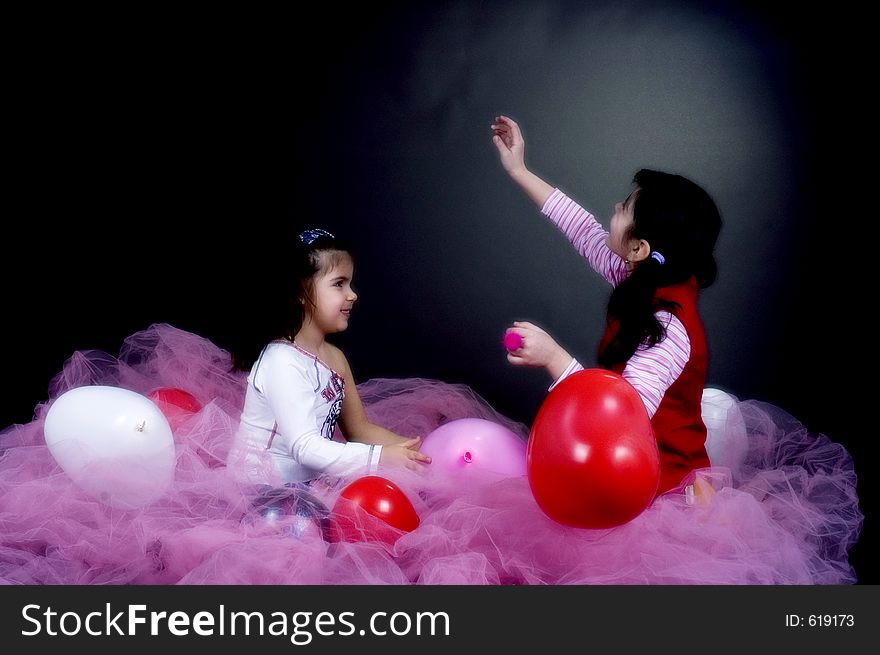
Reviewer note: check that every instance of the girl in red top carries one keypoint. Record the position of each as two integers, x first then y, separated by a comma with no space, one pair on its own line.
657,255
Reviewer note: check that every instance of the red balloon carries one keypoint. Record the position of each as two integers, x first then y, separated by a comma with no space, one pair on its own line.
373,508
176,404
592,458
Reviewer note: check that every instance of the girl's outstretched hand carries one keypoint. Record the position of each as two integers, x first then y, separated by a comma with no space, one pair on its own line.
507,137
413,443
537,348
404,454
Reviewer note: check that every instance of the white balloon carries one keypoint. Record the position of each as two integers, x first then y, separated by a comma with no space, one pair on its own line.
727,442
114,443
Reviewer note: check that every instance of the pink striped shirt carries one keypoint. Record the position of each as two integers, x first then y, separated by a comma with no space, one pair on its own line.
651,370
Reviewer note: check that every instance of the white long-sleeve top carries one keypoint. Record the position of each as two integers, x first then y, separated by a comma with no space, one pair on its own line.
651,370
291,408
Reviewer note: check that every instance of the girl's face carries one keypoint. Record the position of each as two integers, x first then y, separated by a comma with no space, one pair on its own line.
621,224
332,294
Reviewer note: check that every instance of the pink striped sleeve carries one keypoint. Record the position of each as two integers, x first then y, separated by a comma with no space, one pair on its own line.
653,370
573,367
585,234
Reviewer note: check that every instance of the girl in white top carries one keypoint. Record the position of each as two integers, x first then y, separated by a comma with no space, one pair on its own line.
300,386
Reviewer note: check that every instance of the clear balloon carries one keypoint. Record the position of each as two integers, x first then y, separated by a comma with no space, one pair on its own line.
292,511
727,442
114,444
474,444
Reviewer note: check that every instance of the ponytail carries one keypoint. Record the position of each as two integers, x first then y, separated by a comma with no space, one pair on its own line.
632,306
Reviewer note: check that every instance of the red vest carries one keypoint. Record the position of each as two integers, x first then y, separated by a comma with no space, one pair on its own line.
678,425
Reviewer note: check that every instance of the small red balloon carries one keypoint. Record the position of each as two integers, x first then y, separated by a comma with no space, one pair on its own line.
592,459
176,404
373,508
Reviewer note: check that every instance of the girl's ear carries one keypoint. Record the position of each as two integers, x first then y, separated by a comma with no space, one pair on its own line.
639,250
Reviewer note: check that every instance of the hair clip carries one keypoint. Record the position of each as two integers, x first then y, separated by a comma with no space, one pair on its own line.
660,258
308,236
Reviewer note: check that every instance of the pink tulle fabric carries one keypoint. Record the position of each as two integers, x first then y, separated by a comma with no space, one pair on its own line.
788,515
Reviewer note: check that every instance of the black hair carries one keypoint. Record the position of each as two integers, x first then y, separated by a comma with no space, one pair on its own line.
284,289
680,222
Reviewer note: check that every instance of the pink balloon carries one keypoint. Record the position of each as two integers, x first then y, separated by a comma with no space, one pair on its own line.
472,444
512,341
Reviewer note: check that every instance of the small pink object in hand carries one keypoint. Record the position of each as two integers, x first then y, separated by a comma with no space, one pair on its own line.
512,341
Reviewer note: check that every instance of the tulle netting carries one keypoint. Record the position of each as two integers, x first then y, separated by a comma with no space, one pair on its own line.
787,514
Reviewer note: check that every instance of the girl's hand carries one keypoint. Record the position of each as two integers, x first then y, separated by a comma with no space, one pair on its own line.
538,349
507,137
404,454
414,442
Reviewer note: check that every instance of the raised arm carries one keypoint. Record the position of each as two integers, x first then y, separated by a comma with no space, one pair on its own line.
578,225
586,235
508,139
